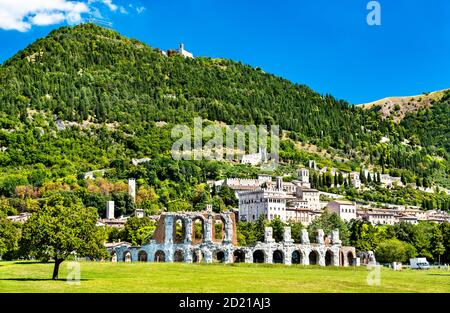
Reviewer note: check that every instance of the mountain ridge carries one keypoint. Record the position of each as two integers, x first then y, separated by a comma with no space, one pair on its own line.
89,73
398,106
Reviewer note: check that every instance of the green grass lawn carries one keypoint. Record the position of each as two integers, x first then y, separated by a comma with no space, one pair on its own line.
179,277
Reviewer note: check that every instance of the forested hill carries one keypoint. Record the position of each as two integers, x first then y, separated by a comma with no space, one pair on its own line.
94,76
87,72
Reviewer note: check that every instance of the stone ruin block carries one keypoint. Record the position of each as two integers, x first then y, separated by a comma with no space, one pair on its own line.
305,237
320,236
268,235
335,237
287,237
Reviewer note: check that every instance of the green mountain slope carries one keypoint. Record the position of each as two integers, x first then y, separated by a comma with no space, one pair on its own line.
114,89
91,72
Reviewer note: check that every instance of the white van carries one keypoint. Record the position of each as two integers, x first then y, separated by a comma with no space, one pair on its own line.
419,263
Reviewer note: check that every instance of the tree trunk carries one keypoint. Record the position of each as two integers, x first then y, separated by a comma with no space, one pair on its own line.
56,268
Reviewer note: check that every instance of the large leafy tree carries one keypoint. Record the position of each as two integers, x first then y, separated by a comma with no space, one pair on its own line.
228,196
328,222
438,244
138,231
365,236
61,227
9,236
394,250
445,228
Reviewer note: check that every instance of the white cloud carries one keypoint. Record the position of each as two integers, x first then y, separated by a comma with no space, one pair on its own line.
110,5
140,10
22,15
43,19
123,10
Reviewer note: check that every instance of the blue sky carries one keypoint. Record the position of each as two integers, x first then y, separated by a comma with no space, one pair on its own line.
325,44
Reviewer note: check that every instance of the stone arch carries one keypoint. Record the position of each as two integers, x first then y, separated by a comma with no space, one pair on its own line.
341,258
239,256
259,256
142,256
219,256
198,256
329,258
127,256
198,229
178,256
278,257
350,258
113,256
160,256
313,257
218,228
179,229
296,257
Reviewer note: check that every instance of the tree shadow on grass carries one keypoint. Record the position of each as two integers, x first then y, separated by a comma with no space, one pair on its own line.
25,263
439,274
39,279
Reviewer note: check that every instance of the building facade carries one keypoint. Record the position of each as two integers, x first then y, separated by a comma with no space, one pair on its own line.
345,209
270,204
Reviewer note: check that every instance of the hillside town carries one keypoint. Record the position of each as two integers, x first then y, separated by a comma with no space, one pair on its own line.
297,201
293,201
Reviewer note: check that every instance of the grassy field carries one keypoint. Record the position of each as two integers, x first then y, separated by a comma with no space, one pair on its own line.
165,277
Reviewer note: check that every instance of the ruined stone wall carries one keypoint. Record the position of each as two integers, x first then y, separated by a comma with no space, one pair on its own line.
159,233
164,248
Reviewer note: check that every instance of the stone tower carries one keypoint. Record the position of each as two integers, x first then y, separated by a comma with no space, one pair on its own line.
303,175
132,189
279,183
110,210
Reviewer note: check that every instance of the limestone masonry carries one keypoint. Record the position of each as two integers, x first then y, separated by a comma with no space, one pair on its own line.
211,237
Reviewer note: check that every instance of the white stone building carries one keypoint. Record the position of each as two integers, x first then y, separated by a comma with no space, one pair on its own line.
355,179
21,218
344,208
303,177
380,216
408,219
390,181
298,211
184,52
268,203
266,197
255,158
310,196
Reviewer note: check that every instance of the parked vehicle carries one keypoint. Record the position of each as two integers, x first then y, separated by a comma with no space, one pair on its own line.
419,263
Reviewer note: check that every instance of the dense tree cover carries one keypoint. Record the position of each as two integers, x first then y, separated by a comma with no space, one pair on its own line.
394,250
9,236
427,239
431,126
88,71
163,184
117,88
137,231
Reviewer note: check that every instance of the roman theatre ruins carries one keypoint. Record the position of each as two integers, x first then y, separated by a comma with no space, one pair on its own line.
211,237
